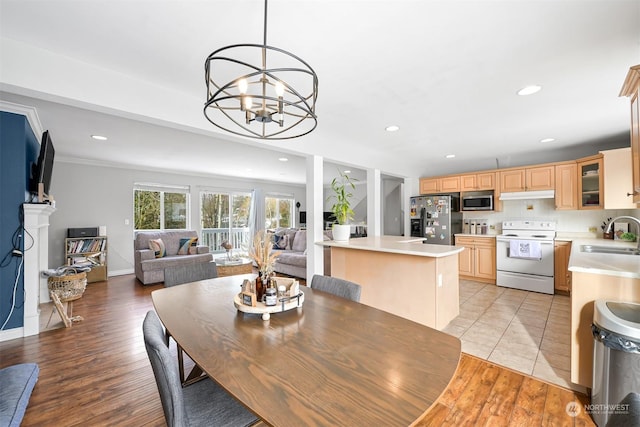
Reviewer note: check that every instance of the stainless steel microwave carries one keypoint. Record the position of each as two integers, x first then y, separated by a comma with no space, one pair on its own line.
477,202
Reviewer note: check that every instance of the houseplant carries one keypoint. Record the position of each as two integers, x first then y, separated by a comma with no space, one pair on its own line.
341,186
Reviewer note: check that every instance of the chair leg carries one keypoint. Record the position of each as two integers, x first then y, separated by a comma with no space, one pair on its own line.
180,363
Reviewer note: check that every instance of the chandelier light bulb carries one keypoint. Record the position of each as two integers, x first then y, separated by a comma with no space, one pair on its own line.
279,88
243,86
248,102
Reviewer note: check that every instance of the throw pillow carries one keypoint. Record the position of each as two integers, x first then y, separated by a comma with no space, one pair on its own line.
280,242
188,246
157,246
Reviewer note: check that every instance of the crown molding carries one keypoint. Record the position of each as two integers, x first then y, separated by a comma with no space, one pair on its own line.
29,112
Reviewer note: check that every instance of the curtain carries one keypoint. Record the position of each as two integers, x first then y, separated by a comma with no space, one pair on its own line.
256,215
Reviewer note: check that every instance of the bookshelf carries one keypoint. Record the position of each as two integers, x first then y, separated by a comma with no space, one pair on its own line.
88,252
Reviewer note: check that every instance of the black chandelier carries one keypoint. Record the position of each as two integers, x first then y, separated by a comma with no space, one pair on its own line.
280,99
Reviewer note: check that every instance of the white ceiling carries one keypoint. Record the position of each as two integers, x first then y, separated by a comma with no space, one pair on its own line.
446,72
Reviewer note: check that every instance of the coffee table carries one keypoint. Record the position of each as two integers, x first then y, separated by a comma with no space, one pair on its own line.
233,267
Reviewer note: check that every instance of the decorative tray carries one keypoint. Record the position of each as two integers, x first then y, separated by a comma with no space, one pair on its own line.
284,304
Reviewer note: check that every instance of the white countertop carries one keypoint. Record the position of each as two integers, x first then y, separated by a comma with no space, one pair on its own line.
493,236
608,264
396,245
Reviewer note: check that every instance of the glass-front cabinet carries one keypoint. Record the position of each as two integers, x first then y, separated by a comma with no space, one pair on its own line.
591,183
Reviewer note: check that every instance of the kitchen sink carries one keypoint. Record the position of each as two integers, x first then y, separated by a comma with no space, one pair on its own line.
610,250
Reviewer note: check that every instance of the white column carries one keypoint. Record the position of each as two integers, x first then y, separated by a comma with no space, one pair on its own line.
374,202
411,188
315,223
36,260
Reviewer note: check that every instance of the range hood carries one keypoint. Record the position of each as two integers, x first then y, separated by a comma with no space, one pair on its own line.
528,195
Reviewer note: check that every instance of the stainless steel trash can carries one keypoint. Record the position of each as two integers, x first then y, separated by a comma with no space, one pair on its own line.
616,358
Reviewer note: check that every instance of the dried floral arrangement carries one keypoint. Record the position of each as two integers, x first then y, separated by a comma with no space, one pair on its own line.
262,252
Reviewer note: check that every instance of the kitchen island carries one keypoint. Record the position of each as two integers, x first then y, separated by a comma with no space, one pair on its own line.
401,275
597,276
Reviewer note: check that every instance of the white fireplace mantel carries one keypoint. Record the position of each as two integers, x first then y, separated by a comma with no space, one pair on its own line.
36,260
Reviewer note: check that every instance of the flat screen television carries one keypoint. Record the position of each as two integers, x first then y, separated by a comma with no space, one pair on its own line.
41,171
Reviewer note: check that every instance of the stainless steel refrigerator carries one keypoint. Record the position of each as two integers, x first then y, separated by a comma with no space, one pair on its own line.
435,218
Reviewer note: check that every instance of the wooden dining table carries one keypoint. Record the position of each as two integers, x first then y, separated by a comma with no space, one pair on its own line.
330,362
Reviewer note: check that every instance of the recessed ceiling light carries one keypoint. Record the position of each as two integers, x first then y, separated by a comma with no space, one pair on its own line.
99,137
529,90
547,140
283,159
347,171
392,128
449,156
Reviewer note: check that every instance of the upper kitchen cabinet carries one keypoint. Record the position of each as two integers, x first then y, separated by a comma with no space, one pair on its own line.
566,196
591,182
446,184
527,179
631,89
478,181
618,181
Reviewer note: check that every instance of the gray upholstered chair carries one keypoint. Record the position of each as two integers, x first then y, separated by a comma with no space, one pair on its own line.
177,275
340,287
204,403
180,274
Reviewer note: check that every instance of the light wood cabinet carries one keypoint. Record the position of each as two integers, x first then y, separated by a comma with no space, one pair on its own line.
566,186
478,181
590,182
527,179
631,89
429,185
478,259
447,184
562,275
618,179
512,180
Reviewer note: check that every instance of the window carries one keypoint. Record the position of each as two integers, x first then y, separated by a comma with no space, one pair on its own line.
278,212
225,216
157,207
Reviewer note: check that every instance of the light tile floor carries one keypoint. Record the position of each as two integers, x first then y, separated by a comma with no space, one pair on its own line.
525,331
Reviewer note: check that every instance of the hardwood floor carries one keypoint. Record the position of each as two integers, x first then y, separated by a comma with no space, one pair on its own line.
97,373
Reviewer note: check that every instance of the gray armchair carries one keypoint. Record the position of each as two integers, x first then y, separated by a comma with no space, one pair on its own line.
204,403
339,287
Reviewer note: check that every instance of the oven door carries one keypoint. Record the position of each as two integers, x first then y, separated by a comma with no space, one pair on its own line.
538,267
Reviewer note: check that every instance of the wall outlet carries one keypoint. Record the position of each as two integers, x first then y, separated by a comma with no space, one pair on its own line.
593,229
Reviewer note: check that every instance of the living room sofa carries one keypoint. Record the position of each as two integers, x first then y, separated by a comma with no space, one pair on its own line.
150,269
292,246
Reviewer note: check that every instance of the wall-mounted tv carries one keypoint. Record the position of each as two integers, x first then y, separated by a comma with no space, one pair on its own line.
41,171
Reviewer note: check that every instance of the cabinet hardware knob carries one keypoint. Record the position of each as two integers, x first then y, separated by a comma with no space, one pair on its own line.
632,194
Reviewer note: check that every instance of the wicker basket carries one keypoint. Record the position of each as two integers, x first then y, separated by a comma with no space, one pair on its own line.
69,287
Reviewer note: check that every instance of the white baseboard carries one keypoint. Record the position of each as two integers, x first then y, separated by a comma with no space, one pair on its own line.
120,272
11,334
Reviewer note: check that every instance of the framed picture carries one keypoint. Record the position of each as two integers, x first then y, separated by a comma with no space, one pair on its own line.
248,298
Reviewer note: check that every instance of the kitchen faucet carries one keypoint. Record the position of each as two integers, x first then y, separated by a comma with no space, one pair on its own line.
636,220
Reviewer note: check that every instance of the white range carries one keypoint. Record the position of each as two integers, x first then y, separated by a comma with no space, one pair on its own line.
524,255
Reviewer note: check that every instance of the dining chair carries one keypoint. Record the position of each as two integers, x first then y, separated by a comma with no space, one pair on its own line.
204,403
339,287
179,275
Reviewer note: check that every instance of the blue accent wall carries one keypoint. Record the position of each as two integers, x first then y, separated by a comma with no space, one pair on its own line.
19,148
